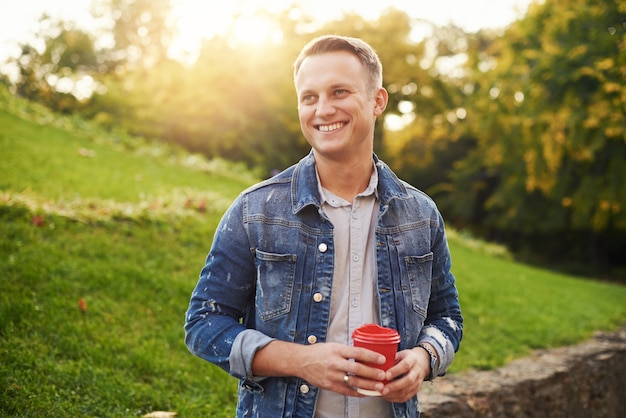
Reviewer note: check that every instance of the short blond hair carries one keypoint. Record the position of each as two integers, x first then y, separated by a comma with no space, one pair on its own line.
359,48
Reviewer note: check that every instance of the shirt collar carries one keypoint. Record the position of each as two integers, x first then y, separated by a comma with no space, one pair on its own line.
330,198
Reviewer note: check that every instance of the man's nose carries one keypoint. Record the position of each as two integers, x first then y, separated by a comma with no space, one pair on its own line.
325,106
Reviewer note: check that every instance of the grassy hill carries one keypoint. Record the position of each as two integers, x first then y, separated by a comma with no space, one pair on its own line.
102,237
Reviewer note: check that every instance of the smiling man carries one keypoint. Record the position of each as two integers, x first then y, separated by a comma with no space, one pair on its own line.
301,260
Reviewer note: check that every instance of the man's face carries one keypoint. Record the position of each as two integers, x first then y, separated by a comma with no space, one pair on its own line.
337,113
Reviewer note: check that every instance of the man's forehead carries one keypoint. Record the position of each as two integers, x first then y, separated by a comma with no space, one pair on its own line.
330,69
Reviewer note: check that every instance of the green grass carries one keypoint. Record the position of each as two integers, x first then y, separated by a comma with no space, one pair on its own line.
125,355
45,160
511,308
121,227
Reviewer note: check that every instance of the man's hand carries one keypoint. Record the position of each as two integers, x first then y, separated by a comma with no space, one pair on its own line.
407,375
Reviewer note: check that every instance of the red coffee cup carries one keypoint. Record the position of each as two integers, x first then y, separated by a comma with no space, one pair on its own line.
380,339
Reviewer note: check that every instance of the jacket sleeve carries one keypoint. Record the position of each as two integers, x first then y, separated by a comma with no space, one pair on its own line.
443,327
223,294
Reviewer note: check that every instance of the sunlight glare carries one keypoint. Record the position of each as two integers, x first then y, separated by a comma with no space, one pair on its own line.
245,23
194,21
255,30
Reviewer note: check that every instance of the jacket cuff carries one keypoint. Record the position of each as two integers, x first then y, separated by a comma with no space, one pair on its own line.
242,352
442,345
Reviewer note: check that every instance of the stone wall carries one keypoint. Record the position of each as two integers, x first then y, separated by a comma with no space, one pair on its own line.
586,380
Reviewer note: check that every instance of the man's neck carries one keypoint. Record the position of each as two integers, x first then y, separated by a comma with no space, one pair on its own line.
345,179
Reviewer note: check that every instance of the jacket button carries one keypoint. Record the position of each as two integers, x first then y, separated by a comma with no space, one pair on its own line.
312,339
304,389
322,247
318,297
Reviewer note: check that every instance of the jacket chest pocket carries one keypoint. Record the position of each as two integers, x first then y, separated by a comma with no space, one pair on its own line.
274,283
419,273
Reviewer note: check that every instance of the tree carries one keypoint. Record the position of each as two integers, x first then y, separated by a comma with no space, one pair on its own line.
548,113
428,93
54,71
139,32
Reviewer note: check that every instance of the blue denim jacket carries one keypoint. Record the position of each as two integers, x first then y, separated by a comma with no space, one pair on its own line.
269,274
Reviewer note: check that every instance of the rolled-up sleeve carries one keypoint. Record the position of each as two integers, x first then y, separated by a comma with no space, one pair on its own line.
245,346
443,328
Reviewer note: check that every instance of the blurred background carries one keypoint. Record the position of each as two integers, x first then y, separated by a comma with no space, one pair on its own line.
510,114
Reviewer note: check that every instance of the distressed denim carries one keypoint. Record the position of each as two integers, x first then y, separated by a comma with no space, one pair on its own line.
269,274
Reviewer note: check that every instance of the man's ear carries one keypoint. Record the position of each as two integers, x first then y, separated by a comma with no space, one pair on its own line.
381,98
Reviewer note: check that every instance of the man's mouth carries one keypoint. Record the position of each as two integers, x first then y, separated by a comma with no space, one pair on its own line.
331,127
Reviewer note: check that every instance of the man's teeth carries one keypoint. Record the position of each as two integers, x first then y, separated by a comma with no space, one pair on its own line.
328,128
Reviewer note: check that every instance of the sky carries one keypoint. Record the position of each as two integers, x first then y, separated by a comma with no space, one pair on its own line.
198,18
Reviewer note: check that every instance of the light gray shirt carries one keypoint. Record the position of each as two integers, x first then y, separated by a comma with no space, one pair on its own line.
353,299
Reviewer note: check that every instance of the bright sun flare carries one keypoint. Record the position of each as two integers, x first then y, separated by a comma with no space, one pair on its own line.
244,22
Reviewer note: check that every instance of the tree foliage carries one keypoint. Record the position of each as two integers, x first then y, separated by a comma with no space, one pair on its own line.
549,118
49,73
139,32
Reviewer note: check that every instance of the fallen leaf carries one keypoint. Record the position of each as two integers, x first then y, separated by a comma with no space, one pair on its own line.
202,205
82,305
160,414
86,152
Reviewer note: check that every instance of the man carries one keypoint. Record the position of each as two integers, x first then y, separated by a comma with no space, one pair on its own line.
336,241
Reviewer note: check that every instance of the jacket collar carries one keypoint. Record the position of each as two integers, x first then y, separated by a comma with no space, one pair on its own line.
304,190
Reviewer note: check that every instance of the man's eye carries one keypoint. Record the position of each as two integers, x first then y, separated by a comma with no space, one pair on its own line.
308,98
341,92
